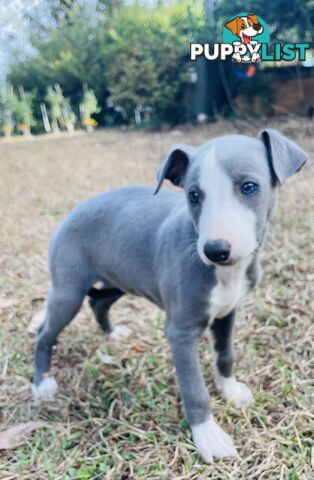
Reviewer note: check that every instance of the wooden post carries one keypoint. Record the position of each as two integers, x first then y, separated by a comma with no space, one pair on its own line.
45,117
26,128
7,114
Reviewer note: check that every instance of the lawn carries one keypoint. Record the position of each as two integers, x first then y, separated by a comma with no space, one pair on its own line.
123,420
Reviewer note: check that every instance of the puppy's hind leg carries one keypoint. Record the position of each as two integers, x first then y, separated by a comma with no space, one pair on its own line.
100,302
61,309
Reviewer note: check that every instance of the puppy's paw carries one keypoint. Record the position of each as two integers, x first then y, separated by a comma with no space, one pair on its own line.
119,332
237,57
255,57
211,441
46,390
237,392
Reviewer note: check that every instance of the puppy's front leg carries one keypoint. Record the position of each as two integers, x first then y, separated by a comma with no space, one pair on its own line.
208,437
221,331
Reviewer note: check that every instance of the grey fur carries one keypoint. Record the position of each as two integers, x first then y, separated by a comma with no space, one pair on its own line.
137,242
285,156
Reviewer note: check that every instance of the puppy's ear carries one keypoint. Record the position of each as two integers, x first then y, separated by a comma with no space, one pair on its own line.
253,18
285,157
233,25
175,166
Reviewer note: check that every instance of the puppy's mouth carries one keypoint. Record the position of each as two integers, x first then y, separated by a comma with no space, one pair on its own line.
246,38
227,263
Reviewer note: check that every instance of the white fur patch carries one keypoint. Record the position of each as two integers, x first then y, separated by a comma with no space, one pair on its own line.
119,332
46,390
237,392
211,441
231,287
232,390
223,216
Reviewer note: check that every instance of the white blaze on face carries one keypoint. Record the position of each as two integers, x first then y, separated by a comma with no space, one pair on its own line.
223,216
249,30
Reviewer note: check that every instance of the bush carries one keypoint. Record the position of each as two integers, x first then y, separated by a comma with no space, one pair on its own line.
16,111
60,109
88,107
151,46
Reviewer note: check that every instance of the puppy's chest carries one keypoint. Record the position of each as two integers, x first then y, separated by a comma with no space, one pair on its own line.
231,287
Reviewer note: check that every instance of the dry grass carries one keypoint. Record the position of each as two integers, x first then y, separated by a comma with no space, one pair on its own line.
123,421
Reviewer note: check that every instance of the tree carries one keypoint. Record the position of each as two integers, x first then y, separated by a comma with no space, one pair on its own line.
16,111
62,11
69,55
152,48
108,6
22,111
88,107
60,109
7,103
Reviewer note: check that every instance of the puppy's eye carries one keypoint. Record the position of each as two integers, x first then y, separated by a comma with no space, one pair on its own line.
194,197
249,188
243,25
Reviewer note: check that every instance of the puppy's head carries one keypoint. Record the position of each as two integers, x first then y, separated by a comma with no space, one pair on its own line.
245,27
230,184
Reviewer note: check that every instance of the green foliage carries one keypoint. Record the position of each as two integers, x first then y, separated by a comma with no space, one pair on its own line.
109,6
89,103
61,10
7,99
134,57
152,47
55,100
68,55
16,109
22,107
60,108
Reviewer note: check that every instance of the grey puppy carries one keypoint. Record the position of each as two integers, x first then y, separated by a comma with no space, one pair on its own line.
193,255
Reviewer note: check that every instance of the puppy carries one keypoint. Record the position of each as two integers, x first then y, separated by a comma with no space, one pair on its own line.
195,255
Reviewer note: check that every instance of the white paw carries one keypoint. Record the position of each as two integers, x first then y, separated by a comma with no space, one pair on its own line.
237,57
46,390
211,441
255,57
237,392
119,332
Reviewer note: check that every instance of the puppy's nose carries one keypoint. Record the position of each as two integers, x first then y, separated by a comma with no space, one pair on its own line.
217,251
257,27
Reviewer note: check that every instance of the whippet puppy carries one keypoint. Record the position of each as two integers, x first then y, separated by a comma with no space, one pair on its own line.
195,255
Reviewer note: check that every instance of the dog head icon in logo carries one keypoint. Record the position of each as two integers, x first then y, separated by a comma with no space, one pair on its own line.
245,27
246,38
246,32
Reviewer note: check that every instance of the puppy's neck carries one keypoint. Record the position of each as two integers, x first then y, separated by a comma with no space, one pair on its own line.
232,284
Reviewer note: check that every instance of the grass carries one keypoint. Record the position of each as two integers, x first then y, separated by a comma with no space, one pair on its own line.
124,420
